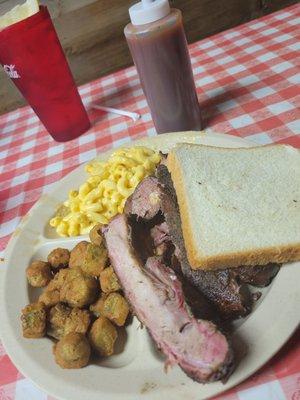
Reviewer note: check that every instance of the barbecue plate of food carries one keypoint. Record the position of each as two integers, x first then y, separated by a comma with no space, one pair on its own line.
171,313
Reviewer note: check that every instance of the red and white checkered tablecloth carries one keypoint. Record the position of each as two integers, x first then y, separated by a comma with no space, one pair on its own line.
248,85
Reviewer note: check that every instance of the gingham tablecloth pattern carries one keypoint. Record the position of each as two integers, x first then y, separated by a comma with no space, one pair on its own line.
248,85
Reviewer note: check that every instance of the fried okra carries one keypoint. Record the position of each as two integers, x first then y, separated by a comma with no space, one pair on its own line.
57,319
77,254
63,320
102,336
33,320
112,306
78,289
59,258
109,281
51,294
39,274
78,321
97,307
90,257
95,259
72,351
96,235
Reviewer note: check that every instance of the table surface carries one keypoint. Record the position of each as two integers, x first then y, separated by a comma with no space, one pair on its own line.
246,80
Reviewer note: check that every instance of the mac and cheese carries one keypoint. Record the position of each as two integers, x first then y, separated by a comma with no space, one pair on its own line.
104,193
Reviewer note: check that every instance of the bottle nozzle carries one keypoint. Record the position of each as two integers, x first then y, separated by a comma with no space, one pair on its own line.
146,3
147,11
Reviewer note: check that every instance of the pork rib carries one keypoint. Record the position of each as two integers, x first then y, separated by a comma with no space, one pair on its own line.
145,200
156,296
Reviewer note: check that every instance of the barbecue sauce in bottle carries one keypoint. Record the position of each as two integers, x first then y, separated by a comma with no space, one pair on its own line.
158,46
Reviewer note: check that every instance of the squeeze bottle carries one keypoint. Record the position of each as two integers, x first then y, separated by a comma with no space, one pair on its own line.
158,46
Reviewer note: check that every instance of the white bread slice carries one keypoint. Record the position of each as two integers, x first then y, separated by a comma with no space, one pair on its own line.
238,206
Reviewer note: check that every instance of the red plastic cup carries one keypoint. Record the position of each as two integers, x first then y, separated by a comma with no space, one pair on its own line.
32,56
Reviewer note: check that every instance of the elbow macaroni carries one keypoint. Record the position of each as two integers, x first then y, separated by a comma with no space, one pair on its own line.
104,193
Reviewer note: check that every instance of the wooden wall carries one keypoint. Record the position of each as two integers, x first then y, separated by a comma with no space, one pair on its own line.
91,32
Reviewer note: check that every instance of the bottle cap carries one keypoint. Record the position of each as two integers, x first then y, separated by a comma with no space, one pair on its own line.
148,11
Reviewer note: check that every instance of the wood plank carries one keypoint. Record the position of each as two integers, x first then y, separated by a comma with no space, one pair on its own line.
91,32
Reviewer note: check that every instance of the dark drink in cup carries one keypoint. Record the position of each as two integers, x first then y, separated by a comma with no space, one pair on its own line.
32,56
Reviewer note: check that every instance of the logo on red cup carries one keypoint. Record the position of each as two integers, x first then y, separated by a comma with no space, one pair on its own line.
11,72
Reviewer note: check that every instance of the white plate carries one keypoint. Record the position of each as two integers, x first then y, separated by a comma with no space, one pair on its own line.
137,371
